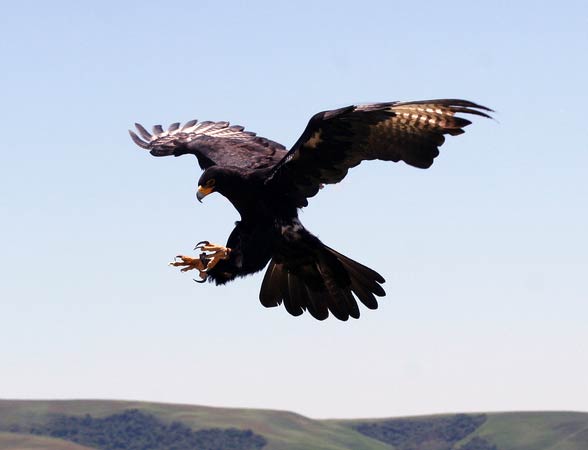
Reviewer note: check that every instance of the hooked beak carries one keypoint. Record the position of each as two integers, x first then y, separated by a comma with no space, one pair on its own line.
203,192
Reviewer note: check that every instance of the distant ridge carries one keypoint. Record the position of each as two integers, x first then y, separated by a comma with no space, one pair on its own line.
102,424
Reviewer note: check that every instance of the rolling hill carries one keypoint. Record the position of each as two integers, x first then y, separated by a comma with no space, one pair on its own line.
97,424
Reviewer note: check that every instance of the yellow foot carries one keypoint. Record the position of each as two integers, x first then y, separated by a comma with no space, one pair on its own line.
212,253
188,263
209,257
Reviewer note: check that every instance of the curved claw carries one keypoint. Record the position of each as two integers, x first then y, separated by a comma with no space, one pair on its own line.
177,260
201,244
209,257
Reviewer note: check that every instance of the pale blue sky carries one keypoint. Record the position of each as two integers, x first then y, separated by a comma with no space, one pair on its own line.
485,254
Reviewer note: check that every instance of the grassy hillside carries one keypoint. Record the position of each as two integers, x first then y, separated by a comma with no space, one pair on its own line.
526,431
15,441
283,430
516,430
289,431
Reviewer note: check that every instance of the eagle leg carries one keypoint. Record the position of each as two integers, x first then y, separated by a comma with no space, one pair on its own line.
212,253
209,257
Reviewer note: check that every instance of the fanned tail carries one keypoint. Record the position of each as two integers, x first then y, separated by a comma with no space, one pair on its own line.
330,283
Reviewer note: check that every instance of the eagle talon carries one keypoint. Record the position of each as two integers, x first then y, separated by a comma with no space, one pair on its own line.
209,257
201,244
188,263
211,254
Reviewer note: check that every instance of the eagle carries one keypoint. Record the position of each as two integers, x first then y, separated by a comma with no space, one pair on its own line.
268,184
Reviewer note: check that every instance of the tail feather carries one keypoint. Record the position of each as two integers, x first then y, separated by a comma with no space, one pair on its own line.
270,294
367,275
331,282
364,295
369,272
295,299
365,282
352,308
316,306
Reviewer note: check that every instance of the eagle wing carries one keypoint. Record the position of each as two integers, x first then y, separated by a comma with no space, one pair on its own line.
213,143
335,141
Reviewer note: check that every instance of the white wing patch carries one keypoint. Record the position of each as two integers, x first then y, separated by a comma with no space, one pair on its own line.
431,115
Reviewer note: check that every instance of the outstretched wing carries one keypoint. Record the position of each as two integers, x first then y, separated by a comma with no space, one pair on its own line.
335,141
213,143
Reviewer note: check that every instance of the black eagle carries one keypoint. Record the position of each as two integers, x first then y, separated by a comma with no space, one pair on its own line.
267,184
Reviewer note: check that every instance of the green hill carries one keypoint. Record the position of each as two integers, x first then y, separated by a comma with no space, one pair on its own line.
87,424
15,441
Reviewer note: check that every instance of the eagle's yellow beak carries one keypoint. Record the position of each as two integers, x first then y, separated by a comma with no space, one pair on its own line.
203,192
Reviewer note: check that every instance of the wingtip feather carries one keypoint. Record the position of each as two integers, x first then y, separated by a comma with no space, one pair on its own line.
137,140
143,132
189,125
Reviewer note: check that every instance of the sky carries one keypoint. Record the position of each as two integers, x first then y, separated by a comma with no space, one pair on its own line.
485,254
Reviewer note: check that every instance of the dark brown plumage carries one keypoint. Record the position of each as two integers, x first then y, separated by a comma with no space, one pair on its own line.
267,185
